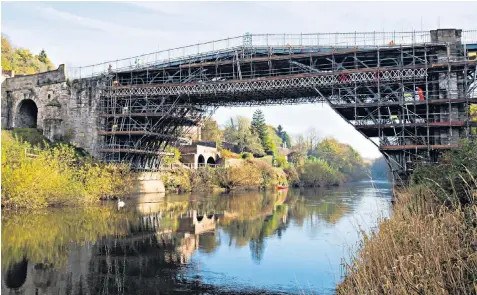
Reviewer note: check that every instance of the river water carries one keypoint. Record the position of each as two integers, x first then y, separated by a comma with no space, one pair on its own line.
289,242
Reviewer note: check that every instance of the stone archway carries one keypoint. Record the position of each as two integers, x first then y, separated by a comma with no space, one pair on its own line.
27,114
210,161
201,160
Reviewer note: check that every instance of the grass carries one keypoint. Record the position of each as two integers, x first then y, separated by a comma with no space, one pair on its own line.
429,245
421,249
31,135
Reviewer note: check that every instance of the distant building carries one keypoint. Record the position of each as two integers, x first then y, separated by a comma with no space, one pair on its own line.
200,153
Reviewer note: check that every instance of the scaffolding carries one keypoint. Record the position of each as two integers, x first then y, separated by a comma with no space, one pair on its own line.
412,100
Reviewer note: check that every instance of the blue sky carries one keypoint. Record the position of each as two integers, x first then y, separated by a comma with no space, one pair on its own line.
83,33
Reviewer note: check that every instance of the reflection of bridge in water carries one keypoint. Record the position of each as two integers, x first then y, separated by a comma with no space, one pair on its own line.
154,247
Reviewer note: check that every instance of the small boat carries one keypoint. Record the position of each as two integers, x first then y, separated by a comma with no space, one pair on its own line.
280,187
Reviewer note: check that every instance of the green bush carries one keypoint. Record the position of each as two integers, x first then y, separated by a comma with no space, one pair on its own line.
177,180
451,179
171,159
319,173
281,160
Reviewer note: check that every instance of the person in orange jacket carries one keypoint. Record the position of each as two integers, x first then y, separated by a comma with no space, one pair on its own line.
420,93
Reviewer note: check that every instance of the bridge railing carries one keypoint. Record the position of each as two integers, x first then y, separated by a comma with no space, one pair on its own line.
371,39
326,40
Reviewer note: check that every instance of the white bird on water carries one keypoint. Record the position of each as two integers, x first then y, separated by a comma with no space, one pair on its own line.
120,203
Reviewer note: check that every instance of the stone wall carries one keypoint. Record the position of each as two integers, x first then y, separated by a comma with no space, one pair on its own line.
190,154
67,110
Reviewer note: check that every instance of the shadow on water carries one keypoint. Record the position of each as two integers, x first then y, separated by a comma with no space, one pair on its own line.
240,243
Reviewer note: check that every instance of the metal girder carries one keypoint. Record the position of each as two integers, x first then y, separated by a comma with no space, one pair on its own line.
255,85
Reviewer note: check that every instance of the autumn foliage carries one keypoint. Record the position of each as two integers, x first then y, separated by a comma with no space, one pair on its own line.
22,61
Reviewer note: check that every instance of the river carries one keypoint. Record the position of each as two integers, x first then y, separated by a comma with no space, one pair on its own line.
289,242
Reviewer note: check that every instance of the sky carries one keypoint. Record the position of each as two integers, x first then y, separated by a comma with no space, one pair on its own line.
84,33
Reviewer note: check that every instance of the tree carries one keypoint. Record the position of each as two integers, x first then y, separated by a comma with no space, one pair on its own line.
284,136
210,131
22,61
379,169
42,56
260,129
312,138
276,141
342,157
286,139
7,54
239,132
280,131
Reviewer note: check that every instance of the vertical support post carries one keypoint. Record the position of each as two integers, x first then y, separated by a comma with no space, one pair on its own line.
379,93
448,81
427,97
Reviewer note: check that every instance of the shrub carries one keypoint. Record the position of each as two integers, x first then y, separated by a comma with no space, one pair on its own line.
292,176
281,160
246,174
451,179
246,155
177,180
319,173
270,176
34,177
171,159
250,173
228,154
204,178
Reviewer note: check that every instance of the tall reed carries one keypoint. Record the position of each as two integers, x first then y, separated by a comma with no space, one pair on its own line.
429,244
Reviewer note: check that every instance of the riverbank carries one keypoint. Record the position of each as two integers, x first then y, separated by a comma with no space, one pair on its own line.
429,245
37,174
248,174
251,174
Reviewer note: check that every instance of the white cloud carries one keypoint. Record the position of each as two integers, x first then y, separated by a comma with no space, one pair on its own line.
86,22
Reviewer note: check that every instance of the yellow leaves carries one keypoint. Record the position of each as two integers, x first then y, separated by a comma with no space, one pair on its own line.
21,231
22,61
56,176
249,173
